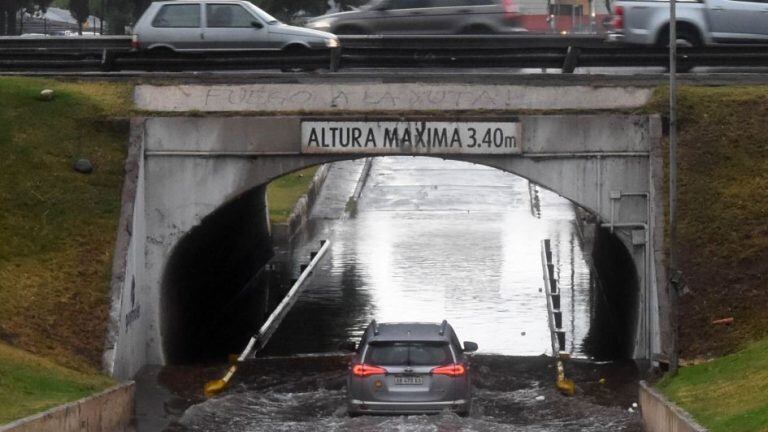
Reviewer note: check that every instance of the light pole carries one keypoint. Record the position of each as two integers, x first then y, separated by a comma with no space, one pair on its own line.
672,268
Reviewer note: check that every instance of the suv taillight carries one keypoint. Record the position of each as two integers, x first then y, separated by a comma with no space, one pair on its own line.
452,370
135,42
510,9
618,18
364,370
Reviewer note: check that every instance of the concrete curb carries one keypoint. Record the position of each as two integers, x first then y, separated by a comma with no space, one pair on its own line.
364,174
108,411
662,415
300,214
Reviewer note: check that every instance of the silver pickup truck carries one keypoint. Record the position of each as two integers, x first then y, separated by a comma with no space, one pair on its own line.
705,22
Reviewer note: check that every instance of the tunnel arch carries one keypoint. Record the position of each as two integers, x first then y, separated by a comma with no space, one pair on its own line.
235,237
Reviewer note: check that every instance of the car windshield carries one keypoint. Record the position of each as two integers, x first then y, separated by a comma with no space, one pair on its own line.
269,19
409,354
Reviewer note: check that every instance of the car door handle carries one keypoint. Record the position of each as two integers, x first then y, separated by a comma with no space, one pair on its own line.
717,8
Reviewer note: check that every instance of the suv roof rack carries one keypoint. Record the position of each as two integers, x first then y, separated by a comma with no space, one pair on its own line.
443,326
375,327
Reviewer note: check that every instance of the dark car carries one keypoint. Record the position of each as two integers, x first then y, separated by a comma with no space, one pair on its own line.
424,17
409,368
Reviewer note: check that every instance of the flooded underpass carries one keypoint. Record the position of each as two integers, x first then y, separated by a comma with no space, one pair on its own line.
428,240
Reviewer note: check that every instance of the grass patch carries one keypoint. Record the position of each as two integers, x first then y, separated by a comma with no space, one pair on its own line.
728,394
283,193
723,209
58,227
29,384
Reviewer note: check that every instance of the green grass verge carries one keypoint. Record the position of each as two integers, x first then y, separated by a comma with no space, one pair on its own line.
29,384
729,394
723,246
58,227
283,193
722,215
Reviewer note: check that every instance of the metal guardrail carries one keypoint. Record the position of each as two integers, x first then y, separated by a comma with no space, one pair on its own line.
110,53
79,44
268,328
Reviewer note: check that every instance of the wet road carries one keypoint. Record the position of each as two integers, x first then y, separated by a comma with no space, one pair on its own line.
431,239
434,240
510,394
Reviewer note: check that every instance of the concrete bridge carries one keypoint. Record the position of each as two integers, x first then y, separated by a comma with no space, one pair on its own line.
206,148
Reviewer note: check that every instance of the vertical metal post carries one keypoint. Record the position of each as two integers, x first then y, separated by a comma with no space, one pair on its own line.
672,270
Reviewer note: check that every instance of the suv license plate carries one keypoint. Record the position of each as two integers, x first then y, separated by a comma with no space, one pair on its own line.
409,380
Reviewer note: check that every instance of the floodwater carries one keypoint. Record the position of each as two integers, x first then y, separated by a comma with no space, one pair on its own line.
431,240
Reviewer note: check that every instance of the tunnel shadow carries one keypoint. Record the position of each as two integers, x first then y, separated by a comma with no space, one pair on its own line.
611,334
213,295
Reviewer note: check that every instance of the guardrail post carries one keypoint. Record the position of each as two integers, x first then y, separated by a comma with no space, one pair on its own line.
107,60
571,59
560,339
335,59
551,270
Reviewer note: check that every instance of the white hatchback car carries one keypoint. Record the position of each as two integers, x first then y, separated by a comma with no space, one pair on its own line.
223,25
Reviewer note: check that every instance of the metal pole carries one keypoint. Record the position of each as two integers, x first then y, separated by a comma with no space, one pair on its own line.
672,270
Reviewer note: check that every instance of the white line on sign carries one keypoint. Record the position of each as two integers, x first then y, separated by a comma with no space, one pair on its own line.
388,137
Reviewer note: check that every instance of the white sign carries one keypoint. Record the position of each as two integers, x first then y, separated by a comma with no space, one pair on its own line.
392,137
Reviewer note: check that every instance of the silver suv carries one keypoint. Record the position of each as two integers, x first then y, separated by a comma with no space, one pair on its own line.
226,25
409,368
424,17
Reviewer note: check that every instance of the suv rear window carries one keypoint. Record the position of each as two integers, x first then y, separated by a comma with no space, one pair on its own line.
409,354
187,15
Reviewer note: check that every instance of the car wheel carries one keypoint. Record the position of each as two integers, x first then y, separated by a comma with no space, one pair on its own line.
686,38
477,29
161,52
296,51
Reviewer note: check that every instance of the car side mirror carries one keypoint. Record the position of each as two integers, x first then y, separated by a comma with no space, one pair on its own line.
257,24
470,347
348,346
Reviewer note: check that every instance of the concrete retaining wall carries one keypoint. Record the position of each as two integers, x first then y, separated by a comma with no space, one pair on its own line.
661,415
108,411
125,345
